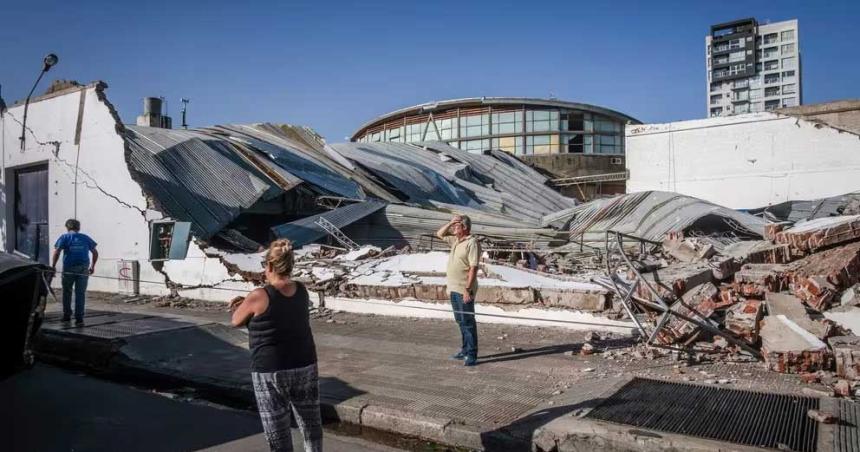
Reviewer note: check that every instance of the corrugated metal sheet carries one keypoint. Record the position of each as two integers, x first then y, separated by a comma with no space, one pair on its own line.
437,173
192,180
300,162
524,183
809,210
398,224
650,215
304,231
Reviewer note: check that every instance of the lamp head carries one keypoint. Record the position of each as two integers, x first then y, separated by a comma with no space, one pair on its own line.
50,60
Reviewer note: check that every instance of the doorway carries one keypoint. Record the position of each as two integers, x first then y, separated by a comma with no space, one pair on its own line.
31,212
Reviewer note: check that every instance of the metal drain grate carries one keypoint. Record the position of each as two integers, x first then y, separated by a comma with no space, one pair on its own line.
732,415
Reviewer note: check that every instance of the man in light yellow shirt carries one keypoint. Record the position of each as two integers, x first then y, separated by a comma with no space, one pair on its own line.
462,273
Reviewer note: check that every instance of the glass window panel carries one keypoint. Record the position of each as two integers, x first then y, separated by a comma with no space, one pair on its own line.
541,115
431,134
788,63
788,35
787,48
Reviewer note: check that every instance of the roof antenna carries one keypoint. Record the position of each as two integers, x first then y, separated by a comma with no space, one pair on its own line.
184,109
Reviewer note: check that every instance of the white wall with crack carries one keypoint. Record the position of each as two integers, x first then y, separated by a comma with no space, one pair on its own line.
74,136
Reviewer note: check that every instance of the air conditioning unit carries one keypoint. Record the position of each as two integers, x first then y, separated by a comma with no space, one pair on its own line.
616,161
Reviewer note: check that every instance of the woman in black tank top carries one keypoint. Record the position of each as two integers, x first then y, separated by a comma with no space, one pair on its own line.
283,355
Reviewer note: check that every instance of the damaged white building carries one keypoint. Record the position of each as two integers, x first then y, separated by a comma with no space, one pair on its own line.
753,160
146,193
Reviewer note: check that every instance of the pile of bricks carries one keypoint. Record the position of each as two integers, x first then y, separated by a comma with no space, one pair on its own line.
771,294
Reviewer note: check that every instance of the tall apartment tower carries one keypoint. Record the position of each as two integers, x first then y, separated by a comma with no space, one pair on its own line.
752,67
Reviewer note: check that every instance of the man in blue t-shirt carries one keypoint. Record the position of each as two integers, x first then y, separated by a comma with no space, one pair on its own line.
76,249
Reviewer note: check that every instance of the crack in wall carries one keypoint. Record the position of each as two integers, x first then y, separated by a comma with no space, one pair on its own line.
92,184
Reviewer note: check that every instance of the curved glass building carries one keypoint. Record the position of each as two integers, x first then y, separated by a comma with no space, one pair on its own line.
521,126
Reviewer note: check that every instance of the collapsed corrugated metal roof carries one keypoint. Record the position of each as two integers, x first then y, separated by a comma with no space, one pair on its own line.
184,173
435,172
794,211
194,178
304,231
651,215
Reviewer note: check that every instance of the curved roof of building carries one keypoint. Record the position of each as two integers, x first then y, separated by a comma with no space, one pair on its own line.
488,101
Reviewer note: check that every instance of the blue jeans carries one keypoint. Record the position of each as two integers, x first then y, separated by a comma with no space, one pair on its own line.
466,321
75,277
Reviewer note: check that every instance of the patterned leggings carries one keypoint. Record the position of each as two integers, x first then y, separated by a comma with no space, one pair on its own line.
280,392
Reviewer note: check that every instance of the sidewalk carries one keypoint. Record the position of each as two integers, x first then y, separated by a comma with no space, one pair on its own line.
387,373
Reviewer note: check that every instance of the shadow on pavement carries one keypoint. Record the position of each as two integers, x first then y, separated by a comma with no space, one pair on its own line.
517,436
548,350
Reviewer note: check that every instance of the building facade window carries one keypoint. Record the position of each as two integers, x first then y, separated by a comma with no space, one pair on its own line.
787,49
788,35
516,129
789,88
770,105
771,65
541,144
474,126
541,120
415,132
447,128
507,122
788,76
789,102
770,38
770,52
788,63
771,78
771,91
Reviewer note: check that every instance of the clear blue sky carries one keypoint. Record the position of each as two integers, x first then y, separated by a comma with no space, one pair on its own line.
334,65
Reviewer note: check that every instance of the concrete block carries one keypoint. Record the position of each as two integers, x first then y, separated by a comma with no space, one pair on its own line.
846,353
793,309
788,348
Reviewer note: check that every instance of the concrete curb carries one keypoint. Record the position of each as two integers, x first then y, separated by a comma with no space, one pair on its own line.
105,357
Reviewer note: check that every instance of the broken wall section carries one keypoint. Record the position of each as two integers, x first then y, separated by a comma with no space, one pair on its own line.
743,161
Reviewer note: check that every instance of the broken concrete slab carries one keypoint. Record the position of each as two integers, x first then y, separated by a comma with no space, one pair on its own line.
687,250
674,280
815,234
851,296
788,348
743,319
793,309
846,353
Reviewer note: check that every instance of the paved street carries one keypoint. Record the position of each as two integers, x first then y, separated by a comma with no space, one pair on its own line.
391,373
50,409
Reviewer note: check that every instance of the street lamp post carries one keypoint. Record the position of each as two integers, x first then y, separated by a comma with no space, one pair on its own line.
49,61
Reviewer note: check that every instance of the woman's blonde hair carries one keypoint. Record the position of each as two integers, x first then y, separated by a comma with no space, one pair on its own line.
280,257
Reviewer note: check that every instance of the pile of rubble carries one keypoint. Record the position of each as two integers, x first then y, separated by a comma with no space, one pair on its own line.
371,273
792,298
